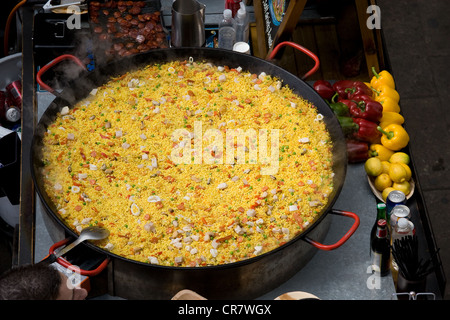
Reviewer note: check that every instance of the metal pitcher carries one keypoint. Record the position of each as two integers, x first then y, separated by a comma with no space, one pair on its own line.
188,23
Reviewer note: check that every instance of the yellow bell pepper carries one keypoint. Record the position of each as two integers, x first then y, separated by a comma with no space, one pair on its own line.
394,137
384,78
380,151
391,117
388,104
386,91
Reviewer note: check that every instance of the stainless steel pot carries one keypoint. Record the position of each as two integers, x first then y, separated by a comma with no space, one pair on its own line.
188,23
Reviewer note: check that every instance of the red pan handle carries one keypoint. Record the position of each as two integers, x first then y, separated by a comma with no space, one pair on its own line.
52,64
300,48
346,236
70,266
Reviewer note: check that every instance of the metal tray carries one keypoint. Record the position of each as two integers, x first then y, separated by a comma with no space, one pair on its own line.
122,28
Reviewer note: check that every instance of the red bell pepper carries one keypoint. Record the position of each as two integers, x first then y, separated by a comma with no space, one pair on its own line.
357,151
362,97
367,130
359,129
349,88
341,86
366,108
324,89
358,88
349,103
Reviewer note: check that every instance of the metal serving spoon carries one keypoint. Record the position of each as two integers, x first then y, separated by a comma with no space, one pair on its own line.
89,233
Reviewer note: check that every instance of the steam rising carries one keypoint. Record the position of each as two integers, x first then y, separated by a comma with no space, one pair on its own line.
102,73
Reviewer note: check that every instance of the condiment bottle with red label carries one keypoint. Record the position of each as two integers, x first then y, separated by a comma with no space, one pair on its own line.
380,249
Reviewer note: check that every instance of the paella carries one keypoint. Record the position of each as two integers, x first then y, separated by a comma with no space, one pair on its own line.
189,164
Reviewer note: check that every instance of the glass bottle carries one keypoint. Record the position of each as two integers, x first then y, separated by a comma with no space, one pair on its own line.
381,214
380,249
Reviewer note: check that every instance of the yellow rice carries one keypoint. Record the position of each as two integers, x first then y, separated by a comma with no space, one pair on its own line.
100,166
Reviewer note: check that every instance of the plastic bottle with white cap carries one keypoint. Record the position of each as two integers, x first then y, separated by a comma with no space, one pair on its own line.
227,31
403,228
242,24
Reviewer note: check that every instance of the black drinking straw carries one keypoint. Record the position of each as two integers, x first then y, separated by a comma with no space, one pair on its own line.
406,254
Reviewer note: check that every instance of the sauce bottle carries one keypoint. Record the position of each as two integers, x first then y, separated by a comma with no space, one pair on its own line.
380,249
